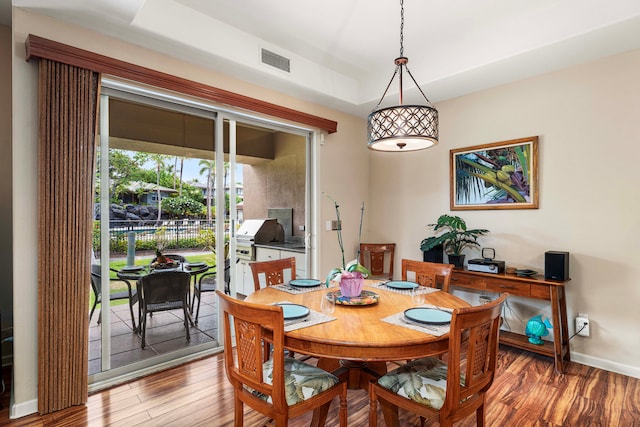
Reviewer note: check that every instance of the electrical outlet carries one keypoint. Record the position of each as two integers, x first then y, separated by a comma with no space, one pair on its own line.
332,225
582,325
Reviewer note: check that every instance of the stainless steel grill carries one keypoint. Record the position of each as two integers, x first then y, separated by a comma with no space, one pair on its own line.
254,231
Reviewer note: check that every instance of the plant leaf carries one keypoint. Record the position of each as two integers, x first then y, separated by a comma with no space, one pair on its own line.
359,268
333,273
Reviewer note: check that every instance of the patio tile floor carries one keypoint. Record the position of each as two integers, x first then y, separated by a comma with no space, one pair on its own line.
165,333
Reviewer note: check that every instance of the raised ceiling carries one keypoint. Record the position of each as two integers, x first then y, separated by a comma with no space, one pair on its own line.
341,51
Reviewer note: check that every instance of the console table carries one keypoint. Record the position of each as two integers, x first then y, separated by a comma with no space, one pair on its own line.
535,287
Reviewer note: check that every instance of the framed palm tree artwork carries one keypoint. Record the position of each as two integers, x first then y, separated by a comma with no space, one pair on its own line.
500,175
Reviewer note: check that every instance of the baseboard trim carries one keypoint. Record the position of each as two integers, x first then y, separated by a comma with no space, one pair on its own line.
607,365
22,409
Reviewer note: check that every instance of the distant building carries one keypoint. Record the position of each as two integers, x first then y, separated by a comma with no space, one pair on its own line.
203,188
144,193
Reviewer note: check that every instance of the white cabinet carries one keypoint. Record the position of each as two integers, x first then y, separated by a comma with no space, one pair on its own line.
244,277
267,254
301,262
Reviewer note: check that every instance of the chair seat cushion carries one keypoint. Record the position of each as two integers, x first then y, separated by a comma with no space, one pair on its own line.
422,380
301,380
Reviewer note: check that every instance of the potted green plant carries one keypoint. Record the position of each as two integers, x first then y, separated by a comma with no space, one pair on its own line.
454,237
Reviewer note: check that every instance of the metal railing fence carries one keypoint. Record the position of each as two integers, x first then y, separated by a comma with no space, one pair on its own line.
167,234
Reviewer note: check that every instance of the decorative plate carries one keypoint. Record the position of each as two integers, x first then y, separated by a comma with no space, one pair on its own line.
129,268
399,284
195,264
365,298
305,283
526,272
294,311
429,316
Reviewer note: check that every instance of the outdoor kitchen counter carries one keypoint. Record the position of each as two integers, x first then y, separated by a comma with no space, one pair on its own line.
283,246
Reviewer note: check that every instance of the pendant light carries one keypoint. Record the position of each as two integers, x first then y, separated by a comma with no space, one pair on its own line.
402,127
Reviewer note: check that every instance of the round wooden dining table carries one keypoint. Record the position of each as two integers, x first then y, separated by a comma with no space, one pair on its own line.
359,343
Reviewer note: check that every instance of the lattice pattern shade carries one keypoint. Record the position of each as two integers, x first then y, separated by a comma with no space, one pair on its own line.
403,128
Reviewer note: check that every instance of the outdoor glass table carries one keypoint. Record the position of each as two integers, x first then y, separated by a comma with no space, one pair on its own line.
136,275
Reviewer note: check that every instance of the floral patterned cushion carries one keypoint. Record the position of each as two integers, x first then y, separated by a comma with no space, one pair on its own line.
301,380
421,380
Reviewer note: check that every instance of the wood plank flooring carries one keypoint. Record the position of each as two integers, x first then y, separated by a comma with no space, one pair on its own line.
526,392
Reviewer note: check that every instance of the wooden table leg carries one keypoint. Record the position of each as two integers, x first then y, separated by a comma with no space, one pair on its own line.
356,373
565,324
558,328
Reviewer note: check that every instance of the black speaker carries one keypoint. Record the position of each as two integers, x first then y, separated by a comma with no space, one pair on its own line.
434,255
556,265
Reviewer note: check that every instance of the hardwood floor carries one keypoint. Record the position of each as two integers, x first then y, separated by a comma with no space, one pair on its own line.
526,392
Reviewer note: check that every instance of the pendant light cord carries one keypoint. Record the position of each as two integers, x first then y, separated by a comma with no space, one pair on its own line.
399,66
401,28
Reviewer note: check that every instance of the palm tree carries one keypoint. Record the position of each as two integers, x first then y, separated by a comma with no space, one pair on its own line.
208,167
175,168
177,182
225,186
159,160
181,170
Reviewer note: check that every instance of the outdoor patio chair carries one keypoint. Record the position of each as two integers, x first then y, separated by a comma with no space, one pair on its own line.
130,294
207,283
163,292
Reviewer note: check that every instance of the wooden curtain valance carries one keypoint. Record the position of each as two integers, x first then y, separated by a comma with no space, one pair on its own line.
39,47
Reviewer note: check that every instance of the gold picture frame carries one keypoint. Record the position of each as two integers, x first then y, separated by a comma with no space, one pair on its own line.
500,175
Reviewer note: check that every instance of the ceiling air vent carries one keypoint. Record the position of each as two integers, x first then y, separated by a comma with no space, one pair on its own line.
275,60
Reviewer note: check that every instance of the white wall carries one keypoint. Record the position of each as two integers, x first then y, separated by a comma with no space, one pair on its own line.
343,157
25,228
587,120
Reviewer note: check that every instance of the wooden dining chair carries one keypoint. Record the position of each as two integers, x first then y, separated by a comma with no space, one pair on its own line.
282,387
445,392
164,291
378,259
427,273
274,274
273,271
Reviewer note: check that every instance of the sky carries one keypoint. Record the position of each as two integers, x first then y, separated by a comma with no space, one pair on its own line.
192,171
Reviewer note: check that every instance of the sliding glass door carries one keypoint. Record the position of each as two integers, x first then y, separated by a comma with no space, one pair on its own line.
176,176
155,198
